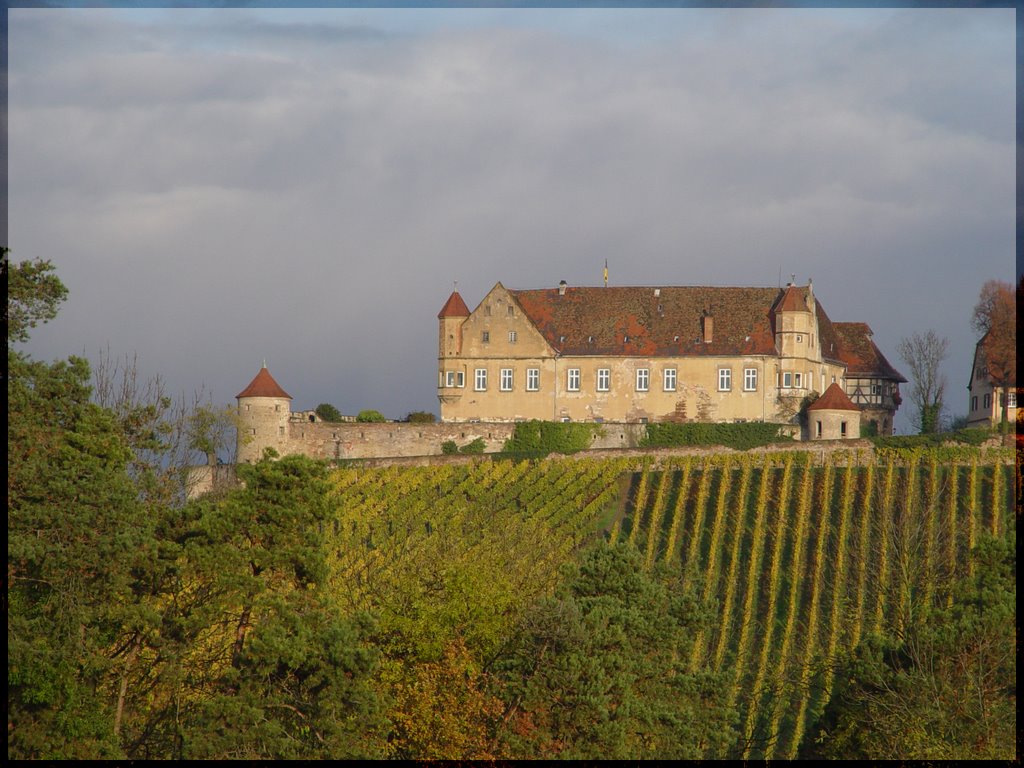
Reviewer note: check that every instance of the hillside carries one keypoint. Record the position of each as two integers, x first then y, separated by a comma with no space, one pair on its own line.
799,561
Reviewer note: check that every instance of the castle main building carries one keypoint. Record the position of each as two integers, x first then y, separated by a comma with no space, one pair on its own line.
632,354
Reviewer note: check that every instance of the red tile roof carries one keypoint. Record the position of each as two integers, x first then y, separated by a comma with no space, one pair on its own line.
454,307
633,321
834,399
794,300
860,354
263,385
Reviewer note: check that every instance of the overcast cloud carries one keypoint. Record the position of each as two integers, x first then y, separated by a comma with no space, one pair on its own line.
218,187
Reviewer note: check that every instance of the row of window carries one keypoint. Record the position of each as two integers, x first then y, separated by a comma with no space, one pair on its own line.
1011,401
602,379
485,337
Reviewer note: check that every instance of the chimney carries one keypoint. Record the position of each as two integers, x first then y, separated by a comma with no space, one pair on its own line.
708,322
561,288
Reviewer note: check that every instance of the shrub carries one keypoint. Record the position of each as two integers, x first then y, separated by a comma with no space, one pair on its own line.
973,436
421,417
477,446
544,437
328,412
370,416
448,447
739,436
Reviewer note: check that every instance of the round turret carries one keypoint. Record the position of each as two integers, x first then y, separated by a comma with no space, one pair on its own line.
264,412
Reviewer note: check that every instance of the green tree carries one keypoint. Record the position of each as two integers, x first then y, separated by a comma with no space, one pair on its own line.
370,416
946,690
421,417
924,353
599,671
291,678
78,538
34,293
328,412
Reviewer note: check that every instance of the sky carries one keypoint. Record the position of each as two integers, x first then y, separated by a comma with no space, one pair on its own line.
221,187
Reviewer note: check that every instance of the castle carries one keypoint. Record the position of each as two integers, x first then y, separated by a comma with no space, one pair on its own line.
622,357
657,354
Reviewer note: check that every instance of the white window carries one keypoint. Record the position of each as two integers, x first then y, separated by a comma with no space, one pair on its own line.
842,429
669,379
449,378
480,383
787,380
988,402
604,376
974,403
505,384
511,310
511,335
749,379
875,389
485,337
1011,399
573,383
724,379
643,379
797,379
532,379
799,337
460,379
818,429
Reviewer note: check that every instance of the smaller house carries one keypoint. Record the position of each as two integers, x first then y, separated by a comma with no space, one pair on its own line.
833,416
985,400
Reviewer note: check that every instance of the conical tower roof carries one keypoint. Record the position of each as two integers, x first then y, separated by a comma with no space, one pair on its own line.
263,385
454,307
834,399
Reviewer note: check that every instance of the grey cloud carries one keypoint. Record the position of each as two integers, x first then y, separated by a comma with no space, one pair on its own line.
213,201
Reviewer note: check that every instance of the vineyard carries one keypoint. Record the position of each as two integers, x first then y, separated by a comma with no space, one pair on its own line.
487,537
800,560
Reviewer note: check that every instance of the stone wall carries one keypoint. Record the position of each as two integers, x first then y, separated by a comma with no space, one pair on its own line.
324,440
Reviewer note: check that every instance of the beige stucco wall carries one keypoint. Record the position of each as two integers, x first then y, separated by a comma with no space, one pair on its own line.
696,395
831,424
982,415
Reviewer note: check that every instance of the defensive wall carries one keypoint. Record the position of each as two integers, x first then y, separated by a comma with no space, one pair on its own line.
340,441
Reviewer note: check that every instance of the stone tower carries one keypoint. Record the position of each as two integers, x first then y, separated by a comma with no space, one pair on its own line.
798,342
451,372
264,410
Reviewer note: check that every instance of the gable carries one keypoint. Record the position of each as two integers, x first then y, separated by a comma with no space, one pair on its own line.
487,332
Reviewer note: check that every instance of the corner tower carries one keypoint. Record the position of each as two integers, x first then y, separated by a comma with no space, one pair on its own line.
451,371
264,410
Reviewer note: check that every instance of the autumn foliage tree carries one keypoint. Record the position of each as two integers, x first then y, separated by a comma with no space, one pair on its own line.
995,319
